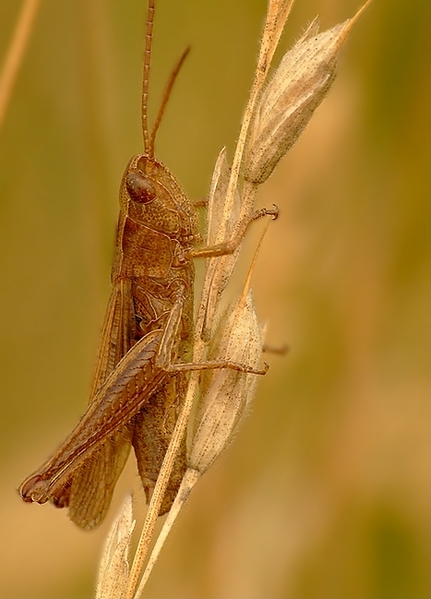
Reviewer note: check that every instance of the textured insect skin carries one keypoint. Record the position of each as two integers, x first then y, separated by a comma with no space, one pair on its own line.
150,310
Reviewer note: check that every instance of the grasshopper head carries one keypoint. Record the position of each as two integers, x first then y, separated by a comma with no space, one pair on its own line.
151,196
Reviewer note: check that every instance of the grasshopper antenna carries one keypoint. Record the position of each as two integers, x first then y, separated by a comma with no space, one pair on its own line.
165,98
146,75
149,140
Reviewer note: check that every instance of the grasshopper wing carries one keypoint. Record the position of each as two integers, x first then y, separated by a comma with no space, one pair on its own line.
91,487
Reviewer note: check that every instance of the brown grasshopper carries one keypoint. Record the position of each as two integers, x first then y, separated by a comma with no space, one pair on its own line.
145,351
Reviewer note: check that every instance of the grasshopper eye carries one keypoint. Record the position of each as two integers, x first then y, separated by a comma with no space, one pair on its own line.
141,190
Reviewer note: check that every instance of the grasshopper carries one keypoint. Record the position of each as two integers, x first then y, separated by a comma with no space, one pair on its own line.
142,370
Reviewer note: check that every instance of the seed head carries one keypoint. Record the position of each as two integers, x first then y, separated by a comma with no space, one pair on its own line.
296,89
229,392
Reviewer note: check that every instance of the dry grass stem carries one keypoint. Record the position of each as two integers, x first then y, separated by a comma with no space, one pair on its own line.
190,479
273,120
157,498
220,269
15,53
276,17
223,406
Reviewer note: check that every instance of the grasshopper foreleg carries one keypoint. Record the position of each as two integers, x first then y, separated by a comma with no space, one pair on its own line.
228,247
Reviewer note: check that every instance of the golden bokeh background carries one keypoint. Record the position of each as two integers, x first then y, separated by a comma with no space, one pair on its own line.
326,490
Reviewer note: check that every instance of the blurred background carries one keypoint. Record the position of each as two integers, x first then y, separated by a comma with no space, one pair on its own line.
326,490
